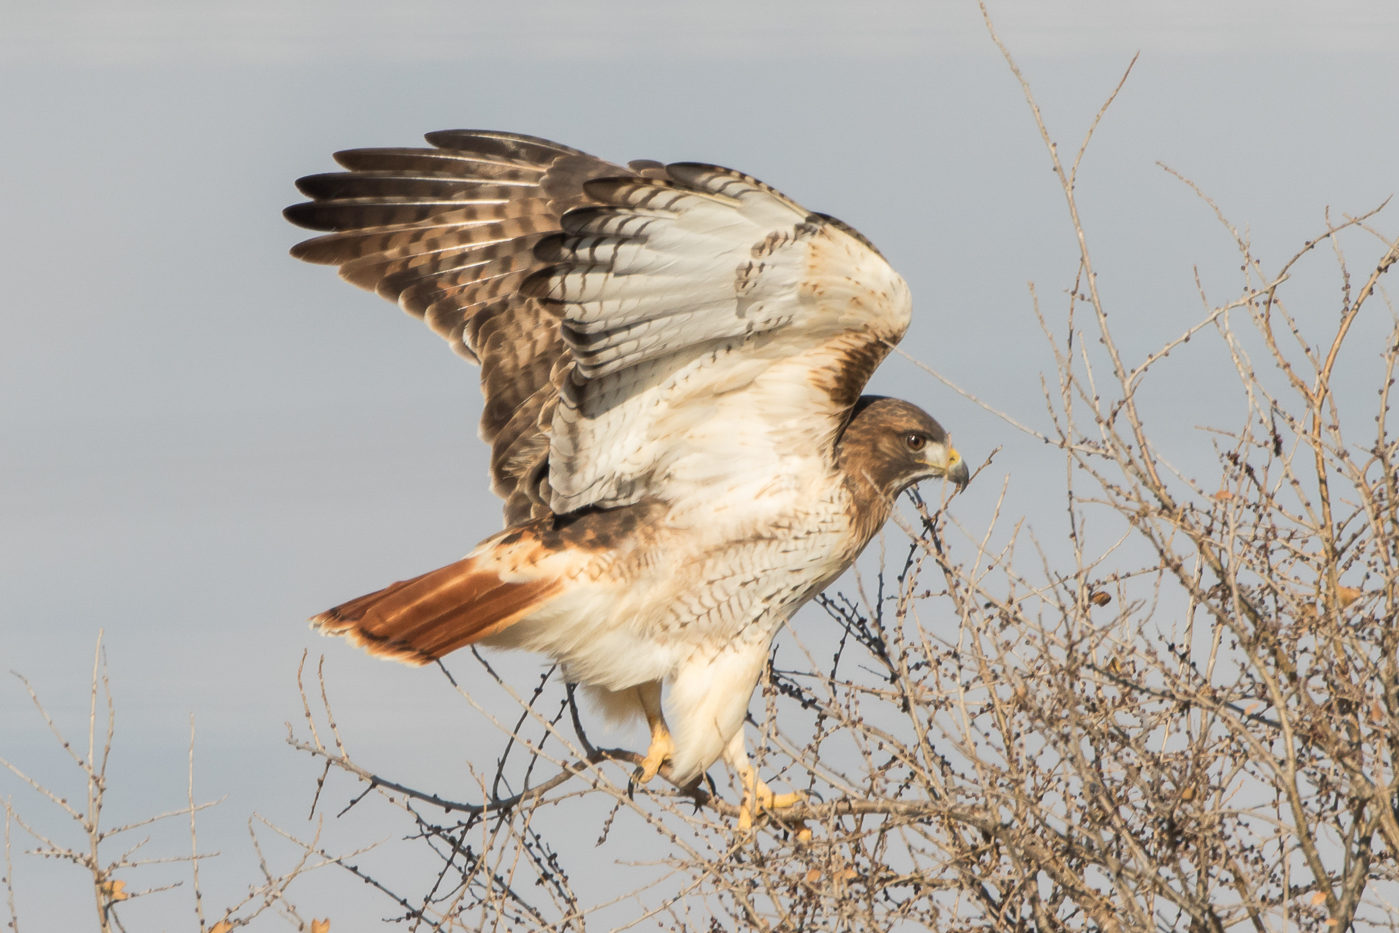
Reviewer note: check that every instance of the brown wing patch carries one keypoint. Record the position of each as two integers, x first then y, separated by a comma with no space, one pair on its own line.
848,362
849,358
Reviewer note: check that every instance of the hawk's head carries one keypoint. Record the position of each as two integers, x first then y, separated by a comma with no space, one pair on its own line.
893,444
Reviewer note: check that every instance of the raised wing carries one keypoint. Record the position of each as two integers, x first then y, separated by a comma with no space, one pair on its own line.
643,331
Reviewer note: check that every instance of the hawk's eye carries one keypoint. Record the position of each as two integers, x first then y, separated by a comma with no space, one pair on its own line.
915,441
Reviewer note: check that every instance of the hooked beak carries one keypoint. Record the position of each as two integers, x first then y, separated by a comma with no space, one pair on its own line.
956,469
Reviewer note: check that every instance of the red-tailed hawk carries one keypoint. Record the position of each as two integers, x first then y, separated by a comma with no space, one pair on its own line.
672,358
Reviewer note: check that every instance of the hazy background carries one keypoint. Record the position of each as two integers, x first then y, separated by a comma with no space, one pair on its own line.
203,442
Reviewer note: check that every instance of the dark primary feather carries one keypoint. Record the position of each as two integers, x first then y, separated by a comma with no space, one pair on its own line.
450,234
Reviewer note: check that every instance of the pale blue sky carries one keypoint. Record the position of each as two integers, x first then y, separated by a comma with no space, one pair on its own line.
203,442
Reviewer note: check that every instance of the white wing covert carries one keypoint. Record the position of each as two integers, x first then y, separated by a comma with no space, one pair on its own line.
714,327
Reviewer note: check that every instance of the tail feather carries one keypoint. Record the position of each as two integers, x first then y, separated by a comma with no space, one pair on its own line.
422,619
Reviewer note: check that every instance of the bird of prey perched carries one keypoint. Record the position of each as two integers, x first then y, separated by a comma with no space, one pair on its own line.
672,358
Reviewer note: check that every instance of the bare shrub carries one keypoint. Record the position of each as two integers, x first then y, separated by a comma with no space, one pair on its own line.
120,862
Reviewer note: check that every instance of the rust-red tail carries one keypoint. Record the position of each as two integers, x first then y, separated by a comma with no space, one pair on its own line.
421,619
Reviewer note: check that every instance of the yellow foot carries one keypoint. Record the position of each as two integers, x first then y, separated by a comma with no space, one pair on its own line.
657,756
761,798
648,695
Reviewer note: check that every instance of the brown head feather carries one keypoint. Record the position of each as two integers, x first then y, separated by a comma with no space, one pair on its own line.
888,446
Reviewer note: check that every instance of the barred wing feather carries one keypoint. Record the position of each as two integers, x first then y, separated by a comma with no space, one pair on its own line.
642,331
